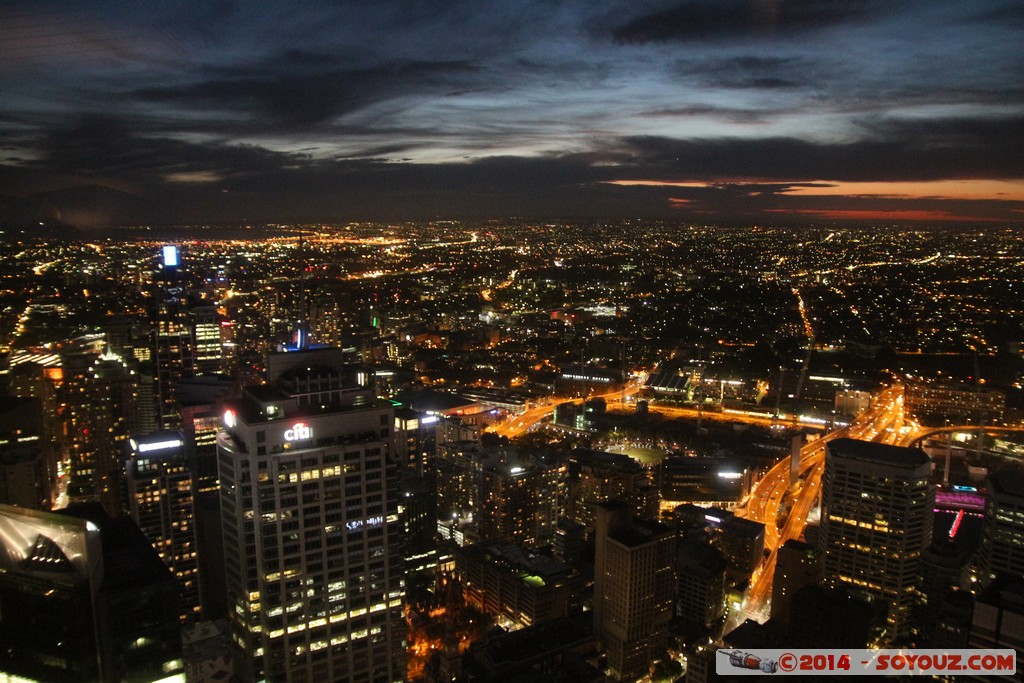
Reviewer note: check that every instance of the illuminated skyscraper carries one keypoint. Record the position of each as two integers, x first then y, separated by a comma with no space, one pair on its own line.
173,357
876,521
1002,544
209,351
161,496
99,394
313,560
172,341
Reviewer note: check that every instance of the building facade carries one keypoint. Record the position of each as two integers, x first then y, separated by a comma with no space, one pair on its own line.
161,497
634,588
313,561
876,521
1002,542
85,598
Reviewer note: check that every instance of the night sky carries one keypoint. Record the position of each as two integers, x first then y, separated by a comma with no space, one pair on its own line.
714,111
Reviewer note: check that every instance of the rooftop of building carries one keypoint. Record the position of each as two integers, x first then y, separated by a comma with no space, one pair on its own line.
700,558
1006,592
432,401
743,526
128,557
533,568
604,459
348,396
793,546
504,651
836,601
878,453
640,532
752,635
1007,483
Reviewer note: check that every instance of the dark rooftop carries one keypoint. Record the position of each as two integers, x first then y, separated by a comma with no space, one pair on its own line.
878,453
639,532
1007,483
128,557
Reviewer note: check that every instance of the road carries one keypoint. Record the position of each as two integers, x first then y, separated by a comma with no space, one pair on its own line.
521,423
783,508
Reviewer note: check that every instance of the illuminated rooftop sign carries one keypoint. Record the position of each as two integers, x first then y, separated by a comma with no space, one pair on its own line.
298,432
230,419
156,445
171,259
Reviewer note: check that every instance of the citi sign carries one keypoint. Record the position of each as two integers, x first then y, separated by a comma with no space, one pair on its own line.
298,432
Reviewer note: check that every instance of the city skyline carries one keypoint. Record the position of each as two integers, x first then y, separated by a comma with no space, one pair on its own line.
728,112
358,405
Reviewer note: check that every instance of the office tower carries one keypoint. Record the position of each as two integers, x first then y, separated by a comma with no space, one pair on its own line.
634,588
517,587
700,664
700,597
171,339
173,354
998,620
797,565
876,521
206,331
951,627
311,530
85,598
570,541
416,441
457,474
943,571
417,509
202,404
202,400
1002,541
161,498
34,380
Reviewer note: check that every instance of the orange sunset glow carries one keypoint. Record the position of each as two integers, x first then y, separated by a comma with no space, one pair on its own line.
1011,189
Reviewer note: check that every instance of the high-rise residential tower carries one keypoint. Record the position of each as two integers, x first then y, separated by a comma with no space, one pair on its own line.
876,521
308,485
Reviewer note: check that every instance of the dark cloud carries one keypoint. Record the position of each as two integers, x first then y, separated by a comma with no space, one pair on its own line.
763,73
305,99
182,181
897,149
214,108
727,19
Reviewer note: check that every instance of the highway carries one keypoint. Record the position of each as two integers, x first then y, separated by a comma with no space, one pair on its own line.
521,423
920,432
783,508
